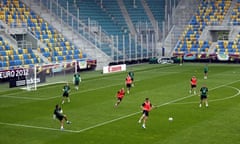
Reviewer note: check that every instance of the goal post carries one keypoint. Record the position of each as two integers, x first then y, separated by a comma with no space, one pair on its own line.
49,74
54,73
31,78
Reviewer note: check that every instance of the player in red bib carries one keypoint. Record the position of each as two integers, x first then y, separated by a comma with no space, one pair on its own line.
128,83
146,107
193,83
120,95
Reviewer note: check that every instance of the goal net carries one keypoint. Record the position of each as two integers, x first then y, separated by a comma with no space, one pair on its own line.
31,78
49,74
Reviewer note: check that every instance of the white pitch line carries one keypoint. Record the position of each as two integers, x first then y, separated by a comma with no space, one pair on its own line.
35,127
48,98
220,99
107,122
29,98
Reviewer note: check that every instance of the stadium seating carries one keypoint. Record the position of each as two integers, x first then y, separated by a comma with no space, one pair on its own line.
14,12
235,17
108,15
89,10
208,13
157,8
114,11
228,47
12,58
231,47
137,13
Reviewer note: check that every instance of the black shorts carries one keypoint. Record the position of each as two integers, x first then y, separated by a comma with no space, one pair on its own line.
203,97
76,83
129,85
119,98
193,86
146,113
60,117
65,94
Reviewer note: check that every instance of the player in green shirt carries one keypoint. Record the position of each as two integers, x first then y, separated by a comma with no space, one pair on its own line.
205,71
58,113
203,96
66,89
76,80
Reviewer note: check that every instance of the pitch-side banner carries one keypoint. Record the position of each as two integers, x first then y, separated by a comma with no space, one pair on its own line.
222,57
6,74
114,68
82,64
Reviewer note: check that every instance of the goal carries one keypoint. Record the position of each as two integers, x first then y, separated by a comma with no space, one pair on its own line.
50,74
31,78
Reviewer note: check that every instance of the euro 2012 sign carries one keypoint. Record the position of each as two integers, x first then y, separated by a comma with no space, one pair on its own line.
13,73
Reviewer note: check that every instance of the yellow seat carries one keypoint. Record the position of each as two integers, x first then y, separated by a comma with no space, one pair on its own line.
46,49
20,57
60,53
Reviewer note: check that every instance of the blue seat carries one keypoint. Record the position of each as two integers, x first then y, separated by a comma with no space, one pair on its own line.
76,56
3,53
25,56
46,54
15,57
7,47
68,57
4,64
12,63
18,62
1,48
60,58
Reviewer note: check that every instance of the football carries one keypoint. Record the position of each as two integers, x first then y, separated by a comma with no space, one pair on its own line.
170,118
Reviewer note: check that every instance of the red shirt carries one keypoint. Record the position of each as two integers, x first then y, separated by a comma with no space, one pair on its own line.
128,80
147,106
194,81
121,93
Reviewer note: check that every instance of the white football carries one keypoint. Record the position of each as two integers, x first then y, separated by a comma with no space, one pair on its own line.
170,118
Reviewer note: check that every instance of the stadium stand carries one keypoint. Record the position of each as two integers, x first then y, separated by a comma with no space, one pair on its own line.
236,14
17,14
109,16
13,58
208,13
137,14
157,8
231,47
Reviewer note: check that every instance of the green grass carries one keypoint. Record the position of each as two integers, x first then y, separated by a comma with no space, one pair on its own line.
26,117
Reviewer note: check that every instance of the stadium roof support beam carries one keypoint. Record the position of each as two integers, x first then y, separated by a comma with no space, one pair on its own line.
127,17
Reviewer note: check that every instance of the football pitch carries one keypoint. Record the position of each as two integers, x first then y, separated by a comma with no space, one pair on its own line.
26,116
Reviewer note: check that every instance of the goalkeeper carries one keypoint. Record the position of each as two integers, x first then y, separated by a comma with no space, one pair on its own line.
76,80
